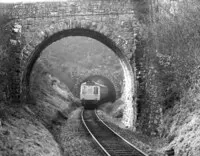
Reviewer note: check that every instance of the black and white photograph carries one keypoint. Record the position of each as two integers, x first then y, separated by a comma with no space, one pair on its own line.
99,78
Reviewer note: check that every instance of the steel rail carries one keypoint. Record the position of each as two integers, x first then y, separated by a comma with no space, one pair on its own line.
104,150
119,135
117,146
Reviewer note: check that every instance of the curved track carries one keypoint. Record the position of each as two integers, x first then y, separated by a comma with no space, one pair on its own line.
109,141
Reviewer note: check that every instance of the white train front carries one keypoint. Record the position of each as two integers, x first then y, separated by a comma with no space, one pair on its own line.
96,90
90,91
91,94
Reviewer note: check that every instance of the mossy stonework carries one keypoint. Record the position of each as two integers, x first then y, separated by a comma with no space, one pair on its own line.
112,22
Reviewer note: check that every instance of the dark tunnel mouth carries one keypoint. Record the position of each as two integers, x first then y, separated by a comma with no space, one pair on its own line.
67,33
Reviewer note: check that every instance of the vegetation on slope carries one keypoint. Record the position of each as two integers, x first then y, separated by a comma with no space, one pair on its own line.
172,53
49,96
48,125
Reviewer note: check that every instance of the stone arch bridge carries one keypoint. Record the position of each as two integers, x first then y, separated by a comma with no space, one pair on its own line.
34,26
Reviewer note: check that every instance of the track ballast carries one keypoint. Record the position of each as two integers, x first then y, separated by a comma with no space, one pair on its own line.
110,142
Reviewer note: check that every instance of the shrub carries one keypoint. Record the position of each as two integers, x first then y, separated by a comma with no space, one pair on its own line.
173,43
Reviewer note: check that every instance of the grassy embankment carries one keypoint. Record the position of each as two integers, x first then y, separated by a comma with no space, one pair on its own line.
49,124
178,40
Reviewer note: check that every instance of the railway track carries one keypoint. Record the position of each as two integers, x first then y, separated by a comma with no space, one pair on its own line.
109,141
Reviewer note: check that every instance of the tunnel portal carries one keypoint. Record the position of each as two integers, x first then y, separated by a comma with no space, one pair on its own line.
107,93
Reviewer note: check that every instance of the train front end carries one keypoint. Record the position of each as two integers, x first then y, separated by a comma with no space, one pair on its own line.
89,95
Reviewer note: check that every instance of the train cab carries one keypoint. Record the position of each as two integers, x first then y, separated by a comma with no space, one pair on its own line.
89,94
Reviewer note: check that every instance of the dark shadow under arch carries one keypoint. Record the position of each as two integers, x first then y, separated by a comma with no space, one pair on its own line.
66,33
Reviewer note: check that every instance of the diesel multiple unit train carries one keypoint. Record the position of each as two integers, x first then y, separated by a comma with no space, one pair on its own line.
96,90
91,93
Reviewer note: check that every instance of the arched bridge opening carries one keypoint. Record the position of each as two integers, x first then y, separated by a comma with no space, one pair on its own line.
128,88
128,73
